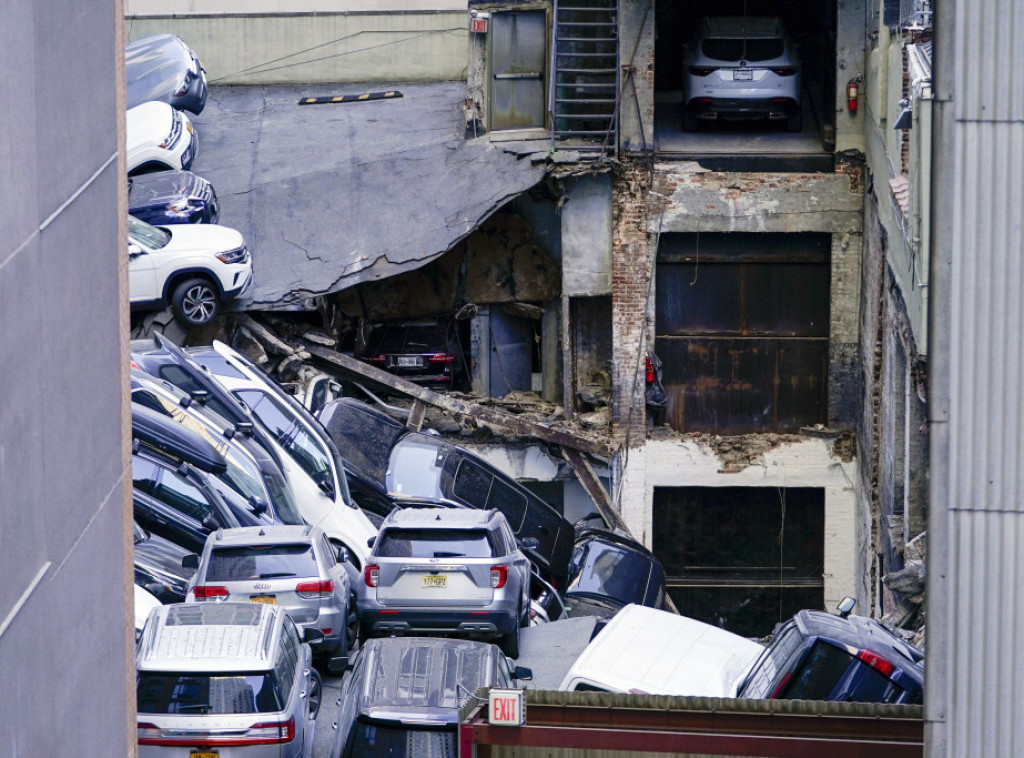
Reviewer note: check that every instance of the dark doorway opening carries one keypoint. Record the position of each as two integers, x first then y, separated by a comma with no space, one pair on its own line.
741,558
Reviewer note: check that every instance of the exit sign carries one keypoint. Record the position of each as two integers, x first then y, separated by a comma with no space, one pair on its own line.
506,708
478,24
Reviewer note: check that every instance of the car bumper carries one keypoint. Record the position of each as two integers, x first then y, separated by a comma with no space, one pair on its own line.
440,621
239,289
743,108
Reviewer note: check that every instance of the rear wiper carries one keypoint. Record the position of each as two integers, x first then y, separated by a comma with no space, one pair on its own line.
275,574
443,554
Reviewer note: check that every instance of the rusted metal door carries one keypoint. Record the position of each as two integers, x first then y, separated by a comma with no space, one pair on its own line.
518,69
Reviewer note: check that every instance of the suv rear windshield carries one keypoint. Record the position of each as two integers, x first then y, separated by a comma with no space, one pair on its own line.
235,564
370,740
826,666
200,694
435,543
604,569
723,49
410,339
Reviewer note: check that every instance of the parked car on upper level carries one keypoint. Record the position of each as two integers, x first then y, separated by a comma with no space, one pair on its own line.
446,570
403,695
741,67
194,268
294,567
158,567
425,351
159,138
402,462
172,197
226,680
162,67
608,572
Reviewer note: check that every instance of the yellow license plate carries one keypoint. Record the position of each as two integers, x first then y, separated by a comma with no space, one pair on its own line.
203,754
435,581
264,600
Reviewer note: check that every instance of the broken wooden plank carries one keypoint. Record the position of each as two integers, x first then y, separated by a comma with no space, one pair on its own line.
415,420
593,487
508,422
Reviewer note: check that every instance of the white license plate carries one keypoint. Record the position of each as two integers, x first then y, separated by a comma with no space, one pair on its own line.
742,75
263,599
432,580
410,361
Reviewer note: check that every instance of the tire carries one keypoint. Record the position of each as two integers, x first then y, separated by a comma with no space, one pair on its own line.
795,123
315,693
509,643
196,301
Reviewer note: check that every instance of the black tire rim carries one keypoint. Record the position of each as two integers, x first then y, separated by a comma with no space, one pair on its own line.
199,304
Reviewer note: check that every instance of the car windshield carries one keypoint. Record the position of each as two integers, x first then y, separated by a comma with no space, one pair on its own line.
146,235
416,338
306,449
237,564
598,568
740,49
435,543
400,741
284,503
201,694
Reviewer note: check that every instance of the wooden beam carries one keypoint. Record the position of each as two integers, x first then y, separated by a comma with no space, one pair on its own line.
508,422
594,488
415,420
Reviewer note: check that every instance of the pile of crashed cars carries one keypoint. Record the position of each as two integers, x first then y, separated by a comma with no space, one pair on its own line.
178,256
368,548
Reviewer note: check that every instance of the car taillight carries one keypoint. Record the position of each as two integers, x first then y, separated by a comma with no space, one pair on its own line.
648,371
441,358
783,71
204,593
877,662
701,71
376,359
781,686
371,574
499,575
266,733
310,590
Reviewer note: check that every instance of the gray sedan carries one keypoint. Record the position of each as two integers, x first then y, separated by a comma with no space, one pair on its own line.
440,570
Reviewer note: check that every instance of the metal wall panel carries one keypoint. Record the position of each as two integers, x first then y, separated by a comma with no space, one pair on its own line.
518,69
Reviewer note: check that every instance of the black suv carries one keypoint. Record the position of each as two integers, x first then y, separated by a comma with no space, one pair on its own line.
425,352
608,572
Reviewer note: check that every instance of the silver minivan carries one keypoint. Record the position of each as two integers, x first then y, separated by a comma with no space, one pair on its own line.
294,567
222,680
446,570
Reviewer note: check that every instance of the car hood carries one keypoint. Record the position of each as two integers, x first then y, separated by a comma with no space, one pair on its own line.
161,188
201,238
154,67
148,124
162,557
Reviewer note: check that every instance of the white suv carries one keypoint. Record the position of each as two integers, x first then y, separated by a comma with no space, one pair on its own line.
194,268
159,138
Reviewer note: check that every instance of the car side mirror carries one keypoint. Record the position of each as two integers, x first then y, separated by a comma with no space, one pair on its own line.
845,606
325,482
190,561
522,673
258,505
342,555
310,634
339,665
531,543
210,522
369,542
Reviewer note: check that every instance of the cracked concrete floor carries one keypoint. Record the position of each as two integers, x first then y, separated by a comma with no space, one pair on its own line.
330,195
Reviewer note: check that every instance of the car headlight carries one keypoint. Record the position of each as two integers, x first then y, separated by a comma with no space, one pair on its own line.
186,81
239,255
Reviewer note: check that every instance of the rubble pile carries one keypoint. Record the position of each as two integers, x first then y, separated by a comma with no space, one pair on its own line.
907,585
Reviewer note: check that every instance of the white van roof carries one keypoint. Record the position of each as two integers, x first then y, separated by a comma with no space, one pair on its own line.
647,651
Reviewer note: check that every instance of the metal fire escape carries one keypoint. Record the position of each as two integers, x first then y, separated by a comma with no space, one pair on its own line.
585,66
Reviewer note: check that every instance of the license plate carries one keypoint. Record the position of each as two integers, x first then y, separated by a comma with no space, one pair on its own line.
408,360
203,754
432,580
263,599
742,75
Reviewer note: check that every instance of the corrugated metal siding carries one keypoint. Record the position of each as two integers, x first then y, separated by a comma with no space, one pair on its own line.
976,635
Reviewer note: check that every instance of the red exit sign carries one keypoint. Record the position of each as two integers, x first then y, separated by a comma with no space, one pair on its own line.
478,24
506,708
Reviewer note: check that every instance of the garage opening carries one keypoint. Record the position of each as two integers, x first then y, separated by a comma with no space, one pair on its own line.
742,330
741,558
726,78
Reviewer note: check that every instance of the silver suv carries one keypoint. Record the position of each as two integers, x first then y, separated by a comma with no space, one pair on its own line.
225,679
446,570
294,567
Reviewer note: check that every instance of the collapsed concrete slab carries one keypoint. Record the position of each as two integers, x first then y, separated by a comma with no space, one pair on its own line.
328,196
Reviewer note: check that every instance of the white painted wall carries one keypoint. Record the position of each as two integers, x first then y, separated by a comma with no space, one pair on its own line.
312,45
809,463
207,7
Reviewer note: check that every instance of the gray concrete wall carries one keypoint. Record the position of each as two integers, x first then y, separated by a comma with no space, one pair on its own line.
251,47
636,51
587,236
851,37
65,644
